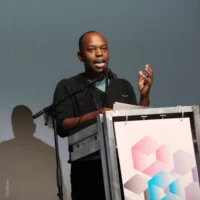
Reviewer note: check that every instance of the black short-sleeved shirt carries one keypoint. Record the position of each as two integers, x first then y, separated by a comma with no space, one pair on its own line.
89,100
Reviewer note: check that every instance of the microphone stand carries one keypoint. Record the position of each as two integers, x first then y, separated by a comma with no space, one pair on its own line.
50,111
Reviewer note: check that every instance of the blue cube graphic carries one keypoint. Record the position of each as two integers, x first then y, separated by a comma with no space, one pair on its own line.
162,182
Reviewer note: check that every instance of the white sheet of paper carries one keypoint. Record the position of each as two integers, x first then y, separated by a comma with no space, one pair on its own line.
124,106
159,145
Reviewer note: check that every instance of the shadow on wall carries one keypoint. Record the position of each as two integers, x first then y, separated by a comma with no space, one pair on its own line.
27,165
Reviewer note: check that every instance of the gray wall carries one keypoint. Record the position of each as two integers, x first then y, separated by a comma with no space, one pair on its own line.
38,44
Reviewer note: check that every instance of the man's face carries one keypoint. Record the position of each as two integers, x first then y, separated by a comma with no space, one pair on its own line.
94,52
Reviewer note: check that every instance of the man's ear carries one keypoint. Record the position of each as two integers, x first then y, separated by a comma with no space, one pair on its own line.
80,57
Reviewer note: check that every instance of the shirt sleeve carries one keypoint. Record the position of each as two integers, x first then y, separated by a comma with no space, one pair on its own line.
67,109
63,110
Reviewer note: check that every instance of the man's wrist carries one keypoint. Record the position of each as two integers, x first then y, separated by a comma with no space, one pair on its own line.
144,97
144,100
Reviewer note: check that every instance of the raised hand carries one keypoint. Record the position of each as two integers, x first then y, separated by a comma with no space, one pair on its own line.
145,82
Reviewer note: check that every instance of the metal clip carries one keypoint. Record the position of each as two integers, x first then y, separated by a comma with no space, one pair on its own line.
182,112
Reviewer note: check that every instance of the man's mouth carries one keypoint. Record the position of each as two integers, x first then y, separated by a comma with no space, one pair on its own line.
99,63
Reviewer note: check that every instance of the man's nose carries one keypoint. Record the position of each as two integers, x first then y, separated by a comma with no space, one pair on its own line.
98,52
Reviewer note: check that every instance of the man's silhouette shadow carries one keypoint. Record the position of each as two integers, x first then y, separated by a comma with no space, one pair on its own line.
27,165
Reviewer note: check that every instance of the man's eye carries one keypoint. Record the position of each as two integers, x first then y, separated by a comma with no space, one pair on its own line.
91,50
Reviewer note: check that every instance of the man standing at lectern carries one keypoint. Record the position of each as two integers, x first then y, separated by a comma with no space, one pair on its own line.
82,109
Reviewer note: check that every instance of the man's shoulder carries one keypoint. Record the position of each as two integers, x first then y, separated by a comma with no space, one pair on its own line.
71,81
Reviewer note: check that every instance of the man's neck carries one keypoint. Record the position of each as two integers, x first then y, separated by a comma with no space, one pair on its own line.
92,75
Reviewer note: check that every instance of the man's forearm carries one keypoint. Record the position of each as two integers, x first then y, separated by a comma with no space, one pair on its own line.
144,101
70,123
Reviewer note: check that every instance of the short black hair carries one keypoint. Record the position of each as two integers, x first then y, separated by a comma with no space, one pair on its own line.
81,38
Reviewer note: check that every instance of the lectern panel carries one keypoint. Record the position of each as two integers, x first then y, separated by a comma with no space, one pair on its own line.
151,153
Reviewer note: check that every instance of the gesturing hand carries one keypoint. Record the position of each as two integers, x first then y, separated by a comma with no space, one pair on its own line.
145,82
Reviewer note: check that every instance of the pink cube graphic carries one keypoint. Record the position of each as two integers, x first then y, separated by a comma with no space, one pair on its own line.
142,151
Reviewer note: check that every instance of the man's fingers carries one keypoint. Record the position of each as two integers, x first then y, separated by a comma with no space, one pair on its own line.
147,80
141,74
105,109
149,70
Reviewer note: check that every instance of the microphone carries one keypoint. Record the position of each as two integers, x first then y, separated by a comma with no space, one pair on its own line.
107,72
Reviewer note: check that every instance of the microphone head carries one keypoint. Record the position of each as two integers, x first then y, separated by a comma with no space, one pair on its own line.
48,121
